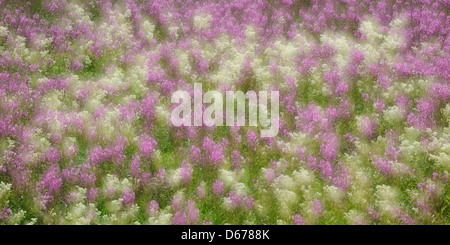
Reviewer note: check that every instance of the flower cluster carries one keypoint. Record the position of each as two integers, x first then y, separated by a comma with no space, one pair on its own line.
85,104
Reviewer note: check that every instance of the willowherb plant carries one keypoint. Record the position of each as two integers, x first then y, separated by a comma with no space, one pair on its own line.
86,108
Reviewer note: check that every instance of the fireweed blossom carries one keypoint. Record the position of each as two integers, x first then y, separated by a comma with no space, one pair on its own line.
224,112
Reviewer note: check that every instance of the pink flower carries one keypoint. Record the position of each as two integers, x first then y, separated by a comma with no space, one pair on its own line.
297,219
368,127
201,192
193,212
316,206
252,139
128,197
148,146
186,171
218,188
236,157
180,218
153,208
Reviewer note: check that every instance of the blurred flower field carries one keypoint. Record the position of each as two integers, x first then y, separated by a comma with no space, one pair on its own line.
85,103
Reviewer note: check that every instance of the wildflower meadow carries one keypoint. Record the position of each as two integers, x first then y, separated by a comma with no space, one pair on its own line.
362,127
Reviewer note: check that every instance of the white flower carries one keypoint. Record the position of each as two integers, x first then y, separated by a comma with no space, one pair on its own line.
230,178
53,101
163,218
3,31
32,222
386,198
240,189
446,112
285,182
5,189
303,177
95,99
77,14
80,214
393,115
202,22
226,202
355,217
112,182
162,114
251,33
120,216
281,222
287,199
341,44
185,65
115,206
370,29
69,145
443,159
115,79
80,194
175,177
333,193
148,29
